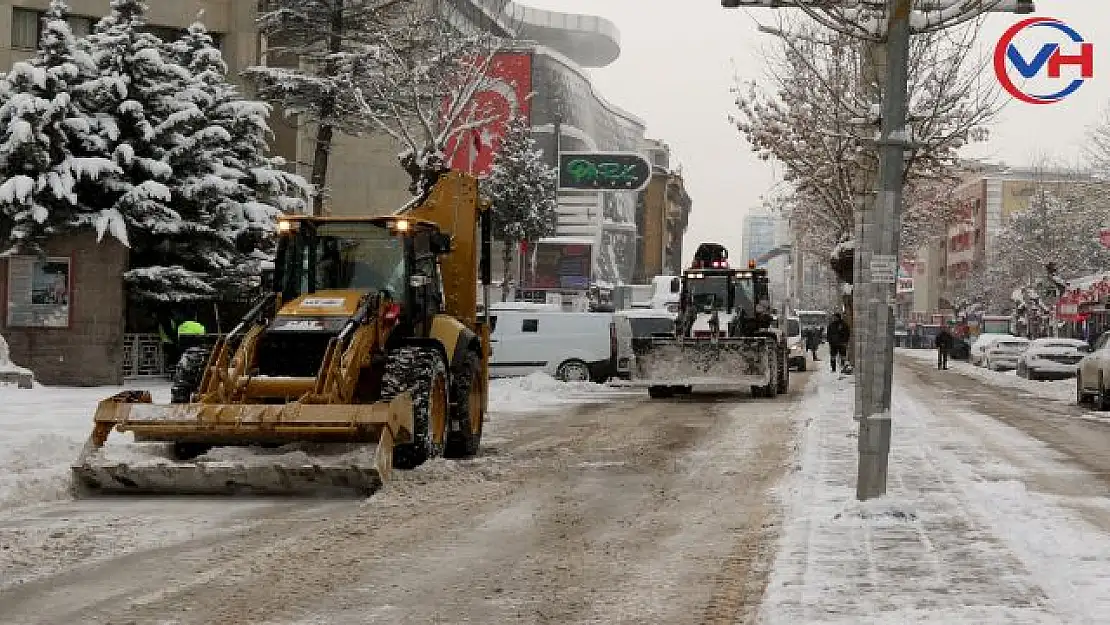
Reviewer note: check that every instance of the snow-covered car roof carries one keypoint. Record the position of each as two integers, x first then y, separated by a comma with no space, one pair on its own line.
645,312
1057,341
1014,341
529,306
1051,343
993,336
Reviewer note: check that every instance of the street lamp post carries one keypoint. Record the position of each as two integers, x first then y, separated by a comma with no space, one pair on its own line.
877,229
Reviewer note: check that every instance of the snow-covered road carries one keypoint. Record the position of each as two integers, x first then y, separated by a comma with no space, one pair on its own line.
996,512
611,508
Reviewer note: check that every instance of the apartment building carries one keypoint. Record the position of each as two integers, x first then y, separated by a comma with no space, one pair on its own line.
231,22
760,235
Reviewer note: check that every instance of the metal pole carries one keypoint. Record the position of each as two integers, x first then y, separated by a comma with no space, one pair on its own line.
880,243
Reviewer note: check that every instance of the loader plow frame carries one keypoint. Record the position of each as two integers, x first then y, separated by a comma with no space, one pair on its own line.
665,361
383,423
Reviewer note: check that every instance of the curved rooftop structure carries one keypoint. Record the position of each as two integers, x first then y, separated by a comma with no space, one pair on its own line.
588,40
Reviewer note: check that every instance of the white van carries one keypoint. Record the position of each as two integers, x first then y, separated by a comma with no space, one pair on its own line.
570,346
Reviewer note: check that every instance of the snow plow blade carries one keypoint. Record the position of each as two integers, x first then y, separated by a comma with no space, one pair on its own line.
660,361
239,425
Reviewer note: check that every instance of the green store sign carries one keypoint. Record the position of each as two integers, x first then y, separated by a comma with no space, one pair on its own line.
603,171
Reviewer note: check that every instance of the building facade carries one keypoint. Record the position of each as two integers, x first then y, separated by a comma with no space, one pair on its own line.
760,235
662,217
987,199
232,23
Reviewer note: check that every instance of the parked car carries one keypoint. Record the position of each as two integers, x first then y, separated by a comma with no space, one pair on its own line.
961,349
1049,358
976,354
1003,354
1092,380
796,343
637,323
570,346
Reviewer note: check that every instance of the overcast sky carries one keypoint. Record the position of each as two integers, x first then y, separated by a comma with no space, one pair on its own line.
677,65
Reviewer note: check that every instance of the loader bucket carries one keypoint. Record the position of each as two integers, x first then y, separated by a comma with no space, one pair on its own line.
371,429
688,362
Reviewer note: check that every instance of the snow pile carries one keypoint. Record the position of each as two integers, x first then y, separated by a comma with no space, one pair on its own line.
1057,390
960,539
6,364
539,391
45,429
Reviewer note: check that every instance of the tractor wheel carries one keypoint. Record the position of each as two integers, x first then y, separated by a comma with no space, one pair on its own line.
188,374
421,371
464,432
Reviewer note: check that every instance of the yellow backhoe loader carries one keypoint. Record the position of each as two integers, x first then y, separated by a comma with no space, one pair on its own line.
368,351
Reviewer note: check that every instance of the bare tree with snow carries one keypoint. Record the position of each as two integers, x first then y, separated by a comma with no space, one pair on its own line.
521,188
1098,150
310,69
391,66
1061,227
818,121
421,78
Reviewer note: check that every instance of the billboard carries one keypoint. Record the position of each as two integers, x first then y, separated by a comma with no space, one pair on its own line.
561,265
503,96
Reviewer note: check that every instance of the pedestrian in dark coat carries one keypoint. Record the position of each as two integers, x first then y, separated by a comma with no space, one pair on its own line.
838,335
813,341
943,343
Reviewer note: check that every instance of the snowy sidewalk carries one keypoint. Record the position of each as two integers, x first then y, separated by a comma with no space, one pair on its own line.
959,540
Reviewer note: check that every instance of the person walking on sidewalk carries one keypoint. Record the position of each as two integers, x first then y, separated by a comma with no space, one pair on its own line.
813,341
838,337
943,343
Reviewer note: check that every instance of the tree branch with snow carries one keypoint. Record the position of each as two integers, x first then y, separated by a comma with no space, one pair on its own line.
817,121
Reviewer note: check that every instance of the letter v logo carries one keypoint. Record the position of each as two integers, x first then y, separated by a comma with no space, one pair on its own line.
1032,68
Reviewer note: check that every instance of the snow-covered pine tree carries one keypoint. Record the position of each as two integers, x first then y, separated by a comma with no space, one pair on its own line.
521,188
45,145
225,184
140,116
313,68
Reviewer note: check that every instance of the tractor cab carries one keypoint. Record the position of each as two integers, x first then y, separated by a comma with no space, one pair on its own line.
356,255
711,287
328,269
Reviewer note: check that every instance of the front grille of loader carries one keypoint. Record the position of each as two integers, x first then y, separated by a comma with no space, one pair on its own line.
293,354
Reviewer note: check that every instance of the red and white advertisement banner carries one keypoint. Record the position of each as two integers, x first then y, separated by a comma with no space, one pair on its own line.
502,97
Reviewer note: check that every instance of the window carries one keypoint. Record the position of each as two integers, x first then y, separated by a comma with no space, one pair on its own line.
530,325
26,29
39,292
167,34
81,26
793,327
647,326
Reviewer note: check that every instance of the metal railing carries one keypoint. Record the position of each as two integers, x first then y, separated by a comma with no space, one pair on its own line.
143,357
